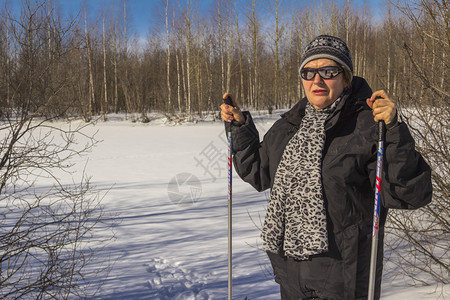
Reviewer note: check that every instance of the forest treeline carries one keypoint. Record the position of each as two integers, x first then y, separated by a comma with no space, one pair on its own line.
90,65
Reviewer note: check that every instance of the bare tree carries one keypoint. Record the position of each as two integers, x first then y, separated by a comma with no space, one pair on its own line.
277,38
115,51
254,36
169,91
221,37
240,51
419,240
91,93
188,26
104,103
48,227
229,43
177,34
47,223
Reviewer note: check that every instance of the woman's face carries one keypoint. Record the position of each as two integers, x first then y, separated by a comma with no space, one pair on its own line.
321,92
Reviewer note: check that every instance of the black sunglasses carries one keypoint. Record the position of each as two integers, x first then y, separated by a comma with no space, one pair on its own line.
324,72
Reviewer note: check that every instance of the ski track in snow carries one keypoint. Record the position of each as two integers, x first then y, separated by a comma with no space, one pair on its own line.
169,280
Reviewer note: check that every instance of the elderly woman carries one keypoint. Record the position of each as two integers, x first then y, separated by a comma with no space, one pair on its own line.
319,160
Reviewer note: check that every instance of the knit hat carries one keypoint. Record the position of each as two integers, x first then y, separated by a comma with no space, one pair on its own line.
326,46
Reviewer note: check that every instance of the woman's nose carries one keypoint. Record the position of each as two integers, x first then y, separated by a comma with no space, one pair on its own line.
317,78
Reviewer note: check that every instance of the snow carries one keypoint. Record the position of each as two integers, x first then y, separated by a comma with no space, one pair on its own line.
168,185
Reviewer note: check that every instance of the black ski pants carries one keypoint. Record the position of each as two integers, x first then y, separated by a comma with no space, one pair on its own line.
303,279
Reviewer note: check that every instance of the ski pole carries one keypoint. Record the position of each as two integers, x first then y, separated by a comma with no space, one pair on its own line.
228,101
376,210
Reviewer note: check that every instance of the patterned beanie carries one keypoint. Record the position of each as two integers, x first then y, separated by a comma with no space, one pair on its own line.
326,46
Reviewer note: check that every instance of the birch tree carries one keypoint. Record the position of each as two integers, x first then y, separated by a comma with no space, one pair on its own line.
240,53
254,37
104,103
229,44
221,37
115,45
278,35
177,59
169,91
91,93
188,24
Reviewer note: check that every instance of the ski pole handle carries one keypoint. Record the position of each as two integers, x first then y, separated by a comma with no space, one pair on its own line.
228,101
381,131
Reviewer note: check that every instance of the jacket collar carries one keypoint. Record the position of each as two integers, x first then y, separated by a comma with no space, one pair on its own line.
353,101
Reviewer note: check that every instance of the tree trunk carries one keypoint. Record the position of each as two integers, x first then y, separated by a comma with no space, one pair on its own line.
255,56
241,68
104,107
278,33
116,88
91,75
188,56
169,93
221,42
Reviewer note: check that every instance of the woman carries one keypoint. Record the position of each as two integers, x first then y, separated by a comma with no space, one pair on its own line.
319,160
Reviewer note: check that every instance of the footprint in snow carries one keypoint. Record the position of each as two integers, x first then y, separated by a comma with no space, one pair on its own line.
171,281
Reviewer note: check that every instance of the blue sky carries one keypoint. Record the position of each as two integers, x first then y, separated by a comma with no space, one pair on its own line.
143,12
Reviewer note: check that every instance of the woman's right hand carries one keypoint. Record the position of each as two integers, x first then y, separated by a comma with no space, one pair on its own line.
231,112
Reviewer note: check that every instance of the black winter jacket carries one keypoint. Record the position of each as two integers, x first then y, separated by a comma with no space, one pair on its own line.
348,176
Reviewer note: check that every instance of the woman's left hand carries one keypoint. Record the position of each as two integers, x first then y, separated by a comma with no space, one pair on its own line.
383,107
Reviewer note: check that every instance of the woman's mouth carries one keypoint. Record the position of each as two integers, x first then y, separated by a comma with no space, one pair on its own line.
319,92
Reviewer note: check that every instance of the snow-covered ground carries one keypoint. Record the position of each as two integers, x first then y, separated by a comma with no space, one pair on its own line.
168,184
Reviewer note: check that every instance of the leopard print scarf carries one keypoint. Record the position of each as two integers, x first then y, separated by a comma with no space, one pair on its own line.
296,221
